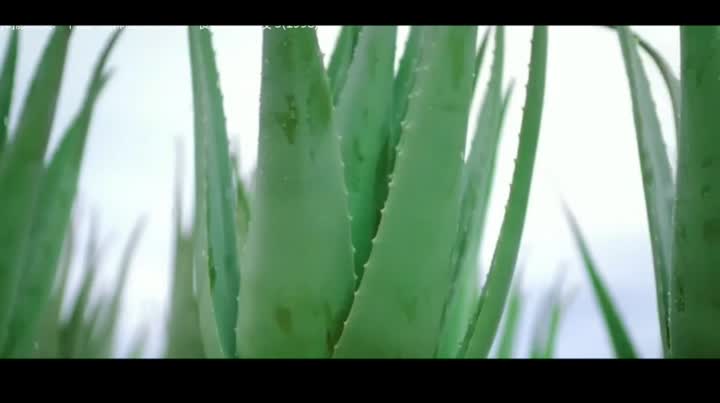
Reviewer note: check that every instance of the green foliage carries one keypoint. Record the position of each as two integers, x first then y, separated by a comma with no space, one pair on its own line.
619,336
353,225
38,197
657,176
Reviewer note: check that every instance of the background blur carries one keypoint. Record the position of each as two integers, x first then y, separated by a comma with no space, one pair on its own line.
587,156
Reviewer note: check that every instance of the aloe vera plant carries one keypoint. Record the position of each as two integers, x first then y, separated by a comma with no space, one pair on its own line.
349,242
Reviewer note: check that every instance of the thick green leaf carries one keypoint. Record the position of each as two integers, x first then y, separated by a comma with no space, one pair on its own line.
483,327
617,330
360,120
398,306
216,188
476,184
208,318
657,175
22,169
7,82
50,223
695,306
341,58
298,264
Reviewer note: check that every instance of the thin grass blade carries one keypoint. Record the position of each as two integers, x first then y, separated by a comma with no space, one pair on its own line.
657,175
619,336
360,120
508,337
50,223
109,317
483,327
7,83
216,188
185,338
293,304
47,338
74,331
22,168
398,306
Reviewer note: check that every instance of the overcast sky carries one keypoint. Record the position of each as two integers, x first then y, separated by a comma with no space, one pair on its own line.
587,155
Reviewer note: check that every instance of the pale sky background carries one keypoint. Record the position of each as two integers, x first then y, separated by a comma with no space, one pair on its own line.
587,154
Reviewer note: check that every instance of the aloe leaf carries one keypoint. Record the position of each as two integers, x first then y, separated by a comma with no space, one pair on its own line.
7,82
293,303
657,176
208,319
404,82
22,168
476,184
185,339
50,223
694,307
360,122
216,187
483,327
341,58
671,80
397,308
508,336
619,336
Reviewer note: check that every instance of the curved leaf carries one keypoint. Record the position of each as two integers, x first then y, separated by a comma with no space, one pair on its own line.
216,197
618,334
360,122
22,169
658,183
483,327
398,306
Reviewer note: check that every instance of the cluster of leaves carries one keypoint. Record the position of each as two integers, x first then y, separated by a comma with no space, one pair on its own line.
36,208
360,237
